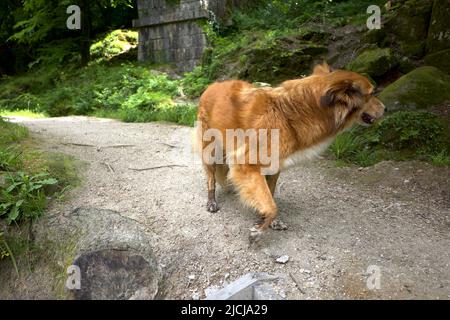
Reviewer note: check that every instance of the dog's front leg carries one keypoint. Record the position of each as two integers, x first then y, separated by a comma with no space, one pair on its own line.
211,205
254,192
277,224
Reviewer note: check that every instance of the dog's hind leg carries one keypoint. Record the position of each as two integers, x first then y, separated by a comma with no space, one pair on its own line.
254,192
211,205
222,175
276,224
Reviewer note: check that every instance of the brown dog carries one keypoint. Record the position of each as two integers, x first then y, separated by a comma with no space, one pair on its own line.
308,114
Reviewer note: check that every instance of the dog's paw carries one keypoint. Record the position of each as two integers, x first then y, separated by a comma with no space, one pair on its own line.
255,235
278,224
212,206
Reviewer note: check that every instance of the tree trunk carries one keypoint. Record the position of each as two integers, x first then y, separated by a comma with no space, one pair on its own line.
86,28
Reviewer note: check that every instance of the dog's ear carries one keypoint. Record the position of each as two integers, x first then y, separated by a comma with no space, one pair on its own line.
322,69
343,92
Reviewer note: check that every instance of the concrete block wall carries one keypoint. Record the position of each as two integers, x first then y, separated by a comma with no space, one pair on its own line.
170,31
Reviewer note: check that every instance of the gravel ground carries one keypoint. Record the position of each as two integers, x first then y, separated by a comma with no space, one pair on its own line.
343,222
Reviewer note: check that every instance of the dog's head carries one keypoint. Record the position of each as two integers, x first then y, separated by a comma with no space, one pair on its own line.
351,95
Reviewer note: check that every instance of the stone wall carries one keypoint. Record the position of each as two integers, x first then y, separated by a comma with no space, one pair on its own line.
170,30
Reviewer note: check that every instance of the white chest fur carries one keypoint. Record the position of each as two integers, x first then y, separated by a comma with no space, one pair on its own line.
305,154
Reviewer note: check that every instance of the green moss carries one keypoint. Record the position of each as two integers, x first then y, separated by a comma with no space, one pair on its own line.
375,62
440,60
413,50
114,44
405,65
277,63
314,35
410,26
420,89
376,36
439,31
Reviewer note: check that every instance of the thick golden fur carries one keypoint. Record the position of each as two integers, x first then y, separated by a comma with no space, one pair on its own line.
308,112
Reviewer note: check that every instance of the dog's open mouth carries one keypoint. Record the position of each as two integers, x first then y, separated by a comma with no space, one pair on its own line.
367,118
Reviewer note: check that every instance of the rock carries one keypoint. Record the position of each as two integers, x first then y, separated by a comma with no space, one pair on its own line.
440,60
405,65
191,277
286,58
251,286
211,290
113,253
376,36
410,26
305,271
374,62
313,33
283,259
113,274
422,88
439,29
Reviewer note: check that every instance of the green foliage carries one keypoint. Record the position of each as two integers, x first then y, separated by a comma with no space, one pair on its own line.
11,132
35,30
5,251
24,196
40,17
441,158
195,82
86,90
347,144
184,114
113,44
419,131
400,136
279,14
10,158
26,113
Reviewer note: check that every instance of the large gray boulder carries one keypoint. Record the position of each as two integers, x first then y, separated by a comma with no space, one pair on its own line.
113,253
422,88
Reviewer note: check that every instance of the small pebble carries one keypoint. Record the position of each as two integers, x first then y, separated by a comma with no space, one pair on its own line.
283,259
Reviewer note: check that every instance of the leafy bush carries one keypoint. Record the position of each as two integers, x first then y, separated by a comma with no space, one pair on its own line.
400,136
417,131
441,158
113,44
195,82
270,14
184,114
24,196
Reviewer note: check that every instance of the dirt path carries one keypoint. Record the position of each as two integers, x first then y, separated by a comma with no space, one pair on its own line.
394,216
